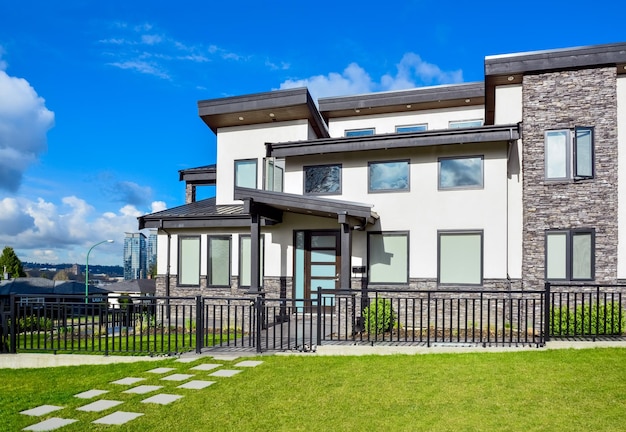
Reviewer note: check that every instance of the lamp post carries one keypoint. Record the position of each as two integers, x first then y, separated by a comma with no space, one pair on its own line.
87,269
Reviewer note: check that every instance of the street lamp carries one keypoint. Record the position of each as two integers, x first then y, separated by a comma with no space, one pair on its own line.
87,269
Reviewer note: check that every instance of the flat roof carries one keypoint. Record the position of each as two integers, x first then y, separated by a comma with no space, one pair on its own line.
259,108
432,97
567,58
204,175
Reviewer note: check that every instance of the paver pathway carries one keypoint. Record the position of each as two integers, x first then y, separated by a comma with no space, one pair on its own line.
178,381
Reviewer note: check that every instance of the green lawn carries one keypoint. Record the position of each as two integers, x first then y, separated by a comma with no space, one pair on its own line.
554,390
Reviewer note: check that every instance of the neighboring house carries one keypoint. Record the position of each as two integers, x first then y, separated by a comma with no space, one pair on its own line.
49,290
132,288
497,184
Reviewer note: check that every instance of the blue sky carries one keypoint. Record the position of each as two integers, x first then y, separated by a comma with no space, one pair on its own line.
98,100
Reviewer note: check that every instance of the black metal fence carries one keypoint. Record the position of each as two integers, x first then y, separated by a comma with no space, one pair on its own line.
165,325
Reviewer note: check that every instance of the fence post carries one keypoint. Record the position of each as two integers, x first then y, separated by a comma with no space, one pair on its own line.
13,327
546,311
259,318
199,321
319,317
106,331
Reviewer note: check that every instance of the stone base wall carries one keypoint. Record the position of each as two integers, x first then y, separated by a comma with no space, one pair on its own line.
563,100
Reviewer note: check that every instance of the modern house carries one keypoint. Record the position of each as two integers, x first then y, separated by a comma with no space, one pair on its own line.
498,184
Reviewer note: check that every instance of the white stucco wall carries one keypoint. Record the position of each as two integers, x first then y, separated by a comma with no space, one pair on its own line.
248,142
386,123
509,111
621,185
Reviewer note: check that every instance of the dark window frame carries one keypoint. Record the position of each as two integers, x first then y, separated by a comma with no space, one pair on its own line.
405,234
479,232
369,176
572,168
209,263
471,187
256,172
569,255
239,265
304,174
180,259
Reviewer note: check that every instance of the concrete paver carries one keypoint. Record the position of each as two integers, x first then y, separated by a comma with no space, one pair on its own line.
248,363
118,418
161,370
143,389
41,410
127,381
225,373
177,377
162,399
100,405
206,366
196,384
50,424
90,394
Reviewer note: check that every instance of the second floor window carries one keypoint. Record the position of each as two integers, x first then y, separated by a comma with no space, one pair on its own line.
461,173
322,179
569,154
360,132
389,176
246,173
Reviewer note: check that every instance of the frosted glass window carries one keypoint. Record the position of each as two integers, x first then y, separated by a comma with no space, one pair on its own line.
557,154
582,244
245,254
246,173
189,261
388,258
219,261
460,258
583,148
556,256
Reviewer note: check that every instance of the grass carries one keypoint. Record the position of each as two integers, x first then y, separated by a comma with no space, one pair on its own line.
573,390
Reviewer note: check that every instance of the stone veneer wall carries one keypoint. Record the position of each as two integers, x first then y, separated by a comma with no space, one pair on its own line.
562,100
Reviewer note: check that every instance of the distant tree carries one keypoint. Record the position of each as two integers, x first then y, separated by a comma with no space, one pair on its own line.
12,263
153,271
61,275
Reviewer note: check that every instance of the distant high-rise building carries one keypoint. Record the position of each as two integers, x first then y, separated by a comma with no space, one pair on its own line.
135,262
152,250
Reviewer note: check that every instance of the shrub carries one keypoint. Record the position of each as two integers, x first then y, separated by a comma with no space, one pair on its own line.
32,323
592,319
379,316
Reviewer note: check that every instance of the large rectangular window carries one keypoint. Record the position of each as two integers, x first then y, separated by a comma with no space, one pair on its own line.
219,261
389,176
246,173
322,179
189,260
360,132
388,257
245,260
461,173
569,154
460,258
570,255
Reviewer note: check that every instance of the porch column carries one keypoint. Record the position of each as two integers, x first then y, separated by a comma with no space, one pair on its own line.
255,252
345,280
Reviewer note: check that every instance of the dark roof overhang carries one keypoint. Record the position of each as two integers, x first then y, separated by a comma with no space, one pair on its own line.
308,205
260,108
397,140
200,214
204,175
444,96
509,69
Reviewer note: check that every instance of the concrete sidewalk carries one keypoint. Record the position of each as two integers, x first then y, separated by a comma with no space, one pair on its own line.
19,361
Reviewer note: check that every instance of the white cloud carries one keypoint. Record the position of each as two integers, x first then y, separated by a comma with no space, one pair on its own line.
411,72
43,231
158,206
24,123
142,67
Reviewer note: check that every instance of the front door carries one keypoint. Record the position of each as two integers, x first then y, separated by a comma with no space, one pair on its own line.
316,266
